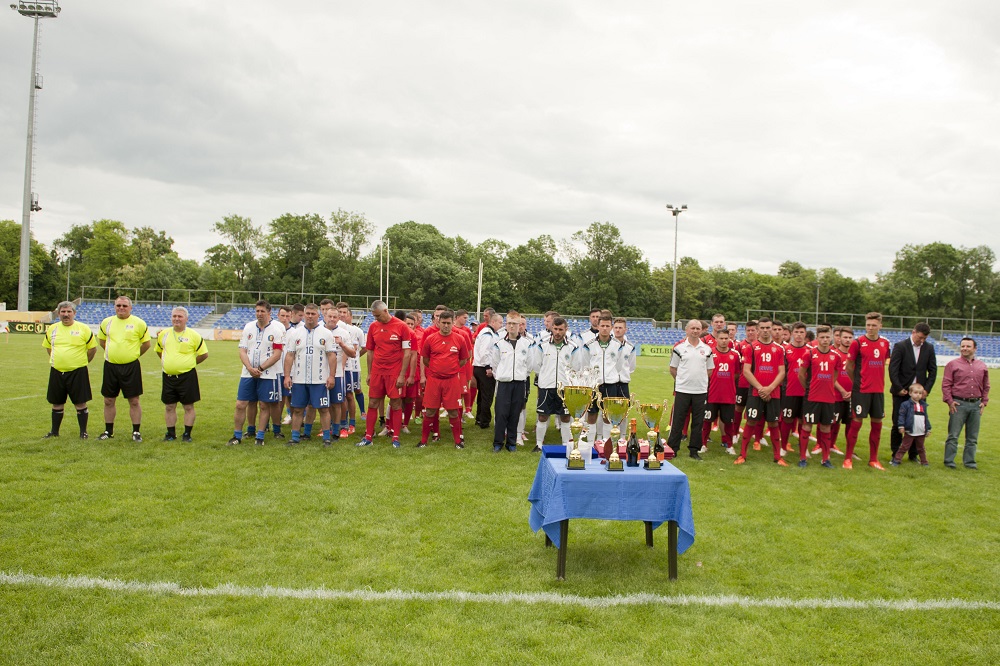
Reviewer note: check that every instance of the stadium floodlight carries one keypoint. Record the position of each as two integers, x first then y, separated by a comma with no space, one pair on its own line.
35,10
676,212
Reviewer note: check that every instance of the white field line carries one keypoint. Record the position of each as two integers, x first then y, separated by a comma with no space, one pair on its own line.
503,598
22,397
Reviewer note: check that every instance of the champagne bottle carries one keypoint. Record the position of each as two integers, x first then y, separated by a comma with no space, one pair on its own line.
632,447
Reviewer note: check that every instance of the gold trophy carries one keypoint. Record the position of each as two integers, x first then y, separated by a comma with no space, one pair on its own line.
651,413
577,400
615,411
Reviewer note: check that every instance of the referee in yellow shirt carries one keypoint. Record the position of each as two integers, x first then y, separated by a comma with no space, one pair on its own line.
124,338
181,349
70,346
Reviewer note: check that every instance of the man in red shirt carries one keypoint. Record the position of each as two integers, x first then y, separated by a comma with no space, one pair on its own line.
867,360
742,385
819,374
444,354
388,345
843,336
764,369
468,396
793,398
411,391
722,391
487,315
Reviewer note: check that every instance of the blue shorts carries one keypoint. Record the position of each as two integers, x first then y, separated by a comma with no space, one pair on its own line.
258,389
284,392
353,380
310,394
337,392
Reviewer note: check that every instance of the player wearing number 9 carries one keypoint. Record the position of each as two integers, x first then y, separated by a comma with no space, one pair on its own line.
866,363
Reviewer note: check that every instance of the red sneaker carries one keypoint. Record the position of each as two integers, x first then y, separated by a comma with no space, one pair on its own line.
816,449
739,461
756,446
350,430
848,464
780,463
876,465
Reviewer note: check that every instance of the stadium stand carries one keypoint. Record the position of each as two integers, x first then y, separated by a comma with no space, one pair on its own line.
154,314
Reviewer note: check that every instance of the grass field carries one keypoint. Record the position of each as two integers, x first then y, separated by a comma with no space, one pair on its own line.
789,565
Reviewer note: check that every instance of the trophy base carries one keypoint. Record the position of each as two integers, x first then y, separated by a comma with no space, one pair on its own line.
652,463
576,464
616,466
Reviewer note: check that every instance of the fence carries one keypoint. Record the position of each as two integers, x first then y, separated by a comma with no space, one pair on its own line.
222,297
895,322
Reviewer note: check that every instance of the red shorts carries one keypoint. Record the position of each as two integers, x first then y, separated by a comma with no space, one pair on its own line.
411,391
383,386
445,393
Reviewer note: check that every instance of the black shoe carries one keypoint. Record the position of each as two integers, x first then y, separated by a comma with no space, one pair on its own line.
136,437
537,449
170,438
84,435
950,465
971,466
104,436
497,448
233,441
186,438
695,455
50,435
512,447
279,435
460,445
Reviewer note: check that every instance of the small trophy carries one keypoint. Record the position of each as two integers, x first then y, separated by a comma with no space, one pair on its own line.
651,413
615,411
577,400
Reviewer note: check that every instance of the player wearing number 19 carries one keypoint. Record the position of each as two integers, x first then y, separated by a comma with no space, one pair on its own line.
180,349
70,346
310,371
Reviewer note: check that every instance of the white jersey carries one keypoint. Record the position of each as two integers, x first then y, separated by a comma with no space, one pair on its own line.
510,361
628,362
605,361
312,351
483,347
357,339
339,331
261,344
552,362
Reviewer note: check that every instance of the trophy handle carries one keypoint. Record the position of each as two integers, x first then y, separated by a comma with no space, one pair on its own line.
599,400
559,390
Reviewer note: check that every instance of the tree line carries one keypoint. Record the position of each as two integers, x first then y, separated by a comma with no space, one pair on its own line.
340,254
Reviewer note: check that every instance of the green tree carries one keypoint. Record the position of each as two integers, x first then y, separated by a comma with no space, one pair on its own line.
238,256
46,281
340,267
537,281
293,246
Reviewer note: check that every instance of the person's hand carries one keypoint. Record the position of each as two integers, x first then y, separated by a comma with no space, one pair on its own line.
255,372
368,380
423,382
489,372
904,392
902,430
331,381
400,382
982,406
288,382
953,407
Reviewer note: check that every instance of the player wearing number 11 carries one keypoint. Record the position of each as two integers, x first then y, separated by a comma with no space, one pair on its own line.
867,360
819,377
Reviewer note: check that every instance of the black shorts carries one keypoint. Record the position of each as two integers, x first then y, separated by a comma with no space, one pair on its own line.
725,412
182,388
843,410
822,413
74,384
742,395
791,407
549,402
623,388
868,405
607,391
758,410
125,378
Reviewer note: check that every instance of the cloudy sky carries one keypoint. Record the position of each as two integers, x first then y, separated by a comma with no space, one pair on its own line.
829,133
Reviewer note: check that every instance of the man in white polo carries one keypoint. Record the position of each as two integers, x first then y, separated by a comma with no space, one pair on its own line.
690,365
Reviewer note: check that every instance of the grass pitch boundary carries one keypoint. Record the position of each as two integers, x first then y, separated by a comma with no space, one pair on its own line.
21,579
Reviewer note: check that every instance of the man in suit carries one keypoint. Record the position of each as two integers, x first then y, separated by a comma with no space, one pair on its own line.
912,360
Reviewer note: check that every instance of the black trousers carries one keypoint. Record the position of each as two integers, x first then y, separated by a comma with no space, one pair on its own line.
684,403
895,438
487,387
510,401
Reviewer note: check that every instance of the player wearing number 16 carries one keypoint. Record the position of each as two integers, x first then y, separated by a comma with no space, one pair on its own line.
310,370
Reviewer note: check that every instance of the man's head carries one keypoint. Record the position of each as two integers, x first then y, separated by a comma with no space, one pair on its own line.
297,311
604,325
67,312
824,336
446,319
967,347
722,340
513,325
920,333
619,327
285,315
799,333
693,329
873,324
843,336
549,316
732,331
437,314
381,312
558,329
411,321
488,314
595,318
345,312
752,330
179,318
123,307
262,310
718,323
310,314
331,316
496,321
461,317
764,325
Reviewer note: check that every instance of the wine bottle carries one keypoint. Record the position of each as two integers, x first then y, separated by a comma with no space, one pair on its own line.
632,447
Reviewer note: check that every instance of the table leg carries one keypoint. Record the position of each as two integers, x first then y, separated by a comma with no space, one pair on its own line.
672,549
649,533
548,541
561,558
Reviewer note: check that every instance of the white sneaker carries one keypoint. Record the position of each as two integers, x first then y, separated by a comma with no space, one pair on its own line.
383,432
469,416
731,451
287,420
406,431
782,453
704,449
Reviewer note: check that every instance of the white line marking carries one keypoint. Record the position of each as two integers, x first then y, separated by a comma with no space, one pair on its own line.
505,598
22,397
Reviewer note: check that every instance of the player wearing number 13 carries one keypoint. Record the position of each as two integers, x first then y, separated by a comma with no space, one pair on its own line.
867,360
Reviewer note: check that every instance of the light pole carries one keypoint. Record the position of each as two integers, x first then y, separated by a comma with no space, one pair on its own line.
972,324
35,10
676,212
302,294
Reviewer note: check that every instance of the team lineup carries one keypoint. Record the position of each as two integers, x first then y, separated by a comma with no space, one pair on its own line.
784,380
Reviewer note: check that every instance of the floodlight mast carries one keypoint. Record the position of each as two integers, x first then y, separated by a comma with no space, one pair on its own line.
35,10
676,212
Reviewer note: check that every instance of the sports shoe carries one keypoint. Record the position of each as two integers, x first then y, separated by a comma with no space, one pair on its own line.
395,443
327,442
233,441
827,464
293,442
894,463
344,433
763,442
756,445
383,432
170,438
136,437
404,430
50,435
783,452
435,437
855,456
703,449
803,463
848,464
780,463
836,450
816,449
695,456
104,436
788,447
926,464
460,445
279,435
421,445
350,430
84,435
874,464
512,447
731,451
364,442
259,441
739,461
537,449
287,420
186,438
715,427
469,416
417,420
497,448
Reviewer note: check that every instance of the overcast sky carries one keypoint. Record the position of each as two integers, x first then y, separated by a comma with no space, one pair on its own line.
828,133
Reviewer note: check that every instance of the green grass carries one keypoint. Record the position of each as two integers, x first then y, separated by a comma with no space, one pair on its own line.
439,520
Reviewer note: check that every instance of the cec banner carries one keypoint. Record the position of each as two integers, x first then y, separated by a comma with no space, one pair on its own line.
27,327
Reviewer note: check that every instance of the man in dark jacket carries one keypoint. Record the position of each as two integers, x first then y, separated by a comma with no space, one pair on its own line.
912,360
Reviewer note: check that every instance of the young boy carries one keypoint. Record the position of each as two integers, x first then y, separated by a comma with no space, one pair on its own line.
914,425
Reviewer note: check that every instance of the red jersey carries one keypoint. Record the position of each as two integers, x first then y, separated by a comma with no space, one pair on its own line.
387,342
795,358
870,357
466,333
479,328
709,340
742,346
843,379
766,362
822,370
416,344
722,383
442,353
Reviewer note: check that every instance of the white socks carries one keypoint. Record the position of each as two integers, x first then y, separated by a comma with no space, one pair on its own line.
540,429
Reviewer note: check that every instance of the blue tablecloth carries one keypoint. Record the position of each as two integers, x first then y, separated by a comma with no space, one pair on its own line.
635,494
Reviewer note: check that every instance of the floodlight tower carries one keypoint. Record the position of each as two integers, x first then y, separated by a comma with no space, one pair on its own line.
35,10
676,212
